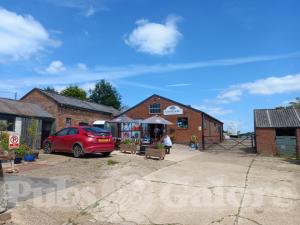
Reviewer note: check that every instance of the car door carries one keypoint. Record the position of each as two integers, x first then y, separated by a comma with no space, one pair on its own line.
71,138
58,141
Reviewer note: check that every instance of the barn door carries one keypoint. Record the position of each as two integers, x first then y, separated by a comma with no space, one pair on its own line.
286,146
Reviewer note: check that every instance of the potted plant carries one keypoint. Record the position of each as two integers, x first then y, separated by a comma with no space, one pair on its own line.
29,155
128,146
194,142
157,151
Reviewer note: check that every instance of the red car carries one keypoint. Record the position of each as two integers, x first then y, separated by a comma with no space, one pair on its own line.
80,140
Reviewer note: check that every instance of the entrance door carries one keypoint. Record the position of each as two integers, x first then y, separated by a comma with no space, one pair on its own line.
286,142
286,146
156,131
46,130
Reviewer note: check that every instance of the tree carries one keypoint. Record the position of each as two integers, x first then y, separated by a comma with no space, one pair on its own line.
104,93
75,92
295,104
51,90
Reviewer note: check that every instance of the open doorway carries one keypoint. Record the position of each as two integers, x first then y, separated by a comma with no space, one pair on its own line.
46,130
156,131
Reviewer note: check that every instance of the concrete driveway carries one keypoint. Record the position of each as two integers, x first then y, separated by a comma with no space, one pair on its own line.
223,187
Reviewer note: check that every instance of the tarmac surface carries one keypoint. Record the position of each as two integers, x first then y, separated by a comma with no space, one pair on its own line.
188,187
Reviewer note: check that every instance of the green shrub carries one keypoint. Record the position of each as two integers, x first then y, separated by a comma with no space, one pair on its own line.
4,139
159,146
127,142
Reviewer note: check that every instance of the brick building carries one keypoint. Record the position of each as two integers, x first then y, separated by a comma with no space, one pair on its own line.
67,111
277,132
187,121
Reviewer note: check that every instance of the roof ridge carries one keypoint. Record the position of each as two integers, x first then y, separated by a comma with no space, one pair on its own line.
75,98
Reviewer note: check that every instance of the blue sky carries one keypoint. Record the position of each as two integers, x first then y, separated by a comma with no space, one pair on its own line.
223,57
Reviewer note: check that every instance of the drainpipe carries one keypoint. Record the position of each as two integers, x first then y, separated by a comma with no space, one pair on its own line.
203,137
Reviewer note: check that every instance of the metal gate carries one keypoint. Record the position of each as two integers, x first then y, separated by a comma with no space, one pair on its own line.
245,142
286,146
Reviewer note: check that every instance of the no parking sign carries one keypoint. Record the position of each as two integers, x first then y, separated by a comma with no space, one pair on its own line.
14,141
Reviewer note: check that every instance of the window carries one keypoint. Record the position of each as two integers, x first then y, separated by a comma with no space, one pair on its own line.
7,123
154,108
73,131
63,132
68,122
183,122
83,124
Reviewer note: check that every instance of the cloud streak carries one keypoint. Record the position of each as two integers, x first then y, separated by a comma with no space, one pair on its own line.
83,74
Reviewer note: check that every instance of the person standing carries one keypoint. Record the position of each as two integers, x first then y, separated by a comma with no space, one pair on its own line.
167,143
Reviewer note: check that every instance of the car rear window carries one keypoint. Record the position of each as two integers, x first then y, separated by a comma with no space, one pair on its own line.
97,131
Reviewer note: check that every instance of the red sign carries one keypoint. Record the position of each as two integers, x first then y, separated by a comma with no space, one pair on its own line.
14,141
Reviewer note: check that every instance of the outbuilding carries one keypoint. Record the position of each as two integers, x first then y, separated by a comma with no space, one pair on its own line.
69,111
186,120
277,132
17,117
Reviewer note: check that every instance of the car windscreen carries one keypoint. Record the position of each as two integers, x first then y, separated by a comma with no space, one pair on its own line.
97,131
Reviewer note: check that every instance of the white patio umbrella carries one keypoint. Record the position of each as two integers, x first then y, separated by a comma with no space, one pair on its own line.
157,120
122,119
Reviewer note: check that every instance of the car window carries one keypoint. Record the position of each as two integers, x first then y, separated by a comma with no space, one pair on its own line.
95,130
73,131
62,132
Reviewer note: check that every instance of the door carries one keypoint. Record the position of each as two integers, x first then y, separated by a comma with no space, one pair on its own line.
286,146
59,140
71,138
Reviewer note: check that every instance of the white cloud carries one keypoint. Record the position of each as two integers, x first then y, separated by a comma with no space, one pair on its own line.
86,7
155,38
55,67
213,110
178,85
268,86
22,36
82,66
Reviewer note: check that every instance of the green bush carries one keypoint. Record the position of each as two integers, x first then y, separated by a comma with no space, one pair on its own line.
159,146
127,142
4,139
23,150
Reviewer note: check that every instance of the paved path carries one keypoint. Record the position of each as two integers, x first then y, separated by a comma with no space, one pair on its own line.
196,188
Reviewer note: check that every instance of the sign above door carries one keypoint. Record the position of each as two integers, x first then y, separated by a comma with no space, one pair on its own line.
173,110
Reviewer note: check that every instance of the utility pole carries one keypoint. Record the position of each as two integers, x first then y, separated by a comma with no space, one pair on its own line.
16,95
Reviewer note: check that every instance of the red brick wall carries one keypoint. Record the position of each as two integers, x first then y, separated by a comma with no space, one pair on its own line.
61,113
78,116
265,141
43,101
211,131
181,135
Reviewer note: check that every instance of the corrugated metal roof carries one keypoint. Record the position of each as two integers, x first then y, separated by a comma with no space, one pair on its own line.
277,118
13,107
73,102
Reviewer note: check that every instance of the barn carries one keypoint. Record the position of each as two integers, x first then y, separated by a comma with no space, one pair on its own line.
277,132
186,120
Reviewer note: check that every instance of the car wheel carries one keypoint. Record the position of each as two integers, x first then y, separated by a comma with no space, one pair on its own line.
47,148
77,151
106,154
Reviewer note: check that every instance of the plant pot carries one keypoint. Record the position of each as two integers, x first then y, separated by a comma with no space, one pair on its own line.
29,158
130,148
155,153
18,160
36,154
